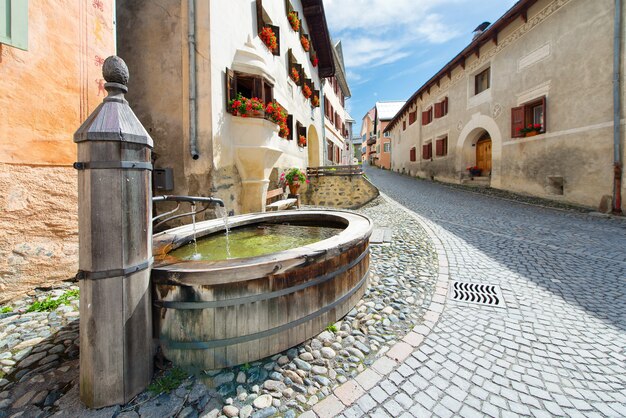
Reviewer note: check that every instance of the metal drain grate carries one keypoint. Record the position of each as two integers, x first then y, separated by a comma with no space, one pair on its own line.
483,294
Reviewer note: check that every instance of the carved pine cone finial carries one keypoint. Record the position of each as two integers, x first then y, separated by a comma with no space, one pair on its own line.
114,70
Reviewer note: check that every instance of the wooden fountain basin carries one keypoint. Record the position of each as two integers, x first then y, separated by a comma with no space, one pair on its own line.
216,314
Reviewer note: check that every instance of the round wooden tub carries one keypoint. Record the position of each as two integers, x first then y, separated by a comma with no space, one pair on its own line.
210,315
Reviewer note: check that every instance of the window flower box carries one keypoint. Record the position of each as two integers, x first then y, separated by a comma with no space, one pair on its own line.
268,37
294,21
278,115
295,75
302,141
244,107
306,91
304,40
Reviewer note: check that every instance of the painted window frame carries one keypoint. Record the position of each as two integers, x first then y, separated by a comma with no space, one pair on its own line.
526,112
15,15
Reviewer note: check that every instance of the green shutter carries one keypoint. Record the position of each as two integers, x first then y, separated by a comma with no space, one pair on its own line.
14,23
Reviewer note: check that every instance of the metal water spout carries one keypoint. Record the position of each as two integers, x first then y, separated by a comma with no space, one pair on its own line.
115,247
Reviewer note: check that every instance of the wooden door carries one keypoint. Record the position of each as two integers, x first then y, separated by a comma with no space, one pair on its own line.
483,156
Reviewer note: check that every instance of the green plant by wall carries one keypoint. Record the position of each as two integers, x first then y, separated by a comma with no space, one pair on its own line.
50,304
6,309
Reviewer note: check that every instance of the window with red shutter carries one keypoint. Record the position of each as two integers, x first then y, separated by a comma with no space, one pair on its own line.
404,125
425,155
438,110
441,147
517,122
412,154
427,116
412,117
445,106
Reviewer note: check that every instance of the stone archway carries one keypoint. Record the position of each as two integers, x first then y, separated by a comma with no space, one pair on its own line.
313,147
484,129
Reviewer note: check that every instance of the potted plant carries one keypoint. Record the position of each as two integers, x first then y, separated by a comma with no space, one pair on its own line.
315,101
269,38
294,177
244,107
474,171
531,130
302,141
294,21
305,43
306,91
277,114
295,75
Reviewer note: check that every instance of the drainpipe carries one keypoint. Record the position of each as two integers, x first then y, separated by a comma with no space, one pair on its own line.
617,163
323,107
193,120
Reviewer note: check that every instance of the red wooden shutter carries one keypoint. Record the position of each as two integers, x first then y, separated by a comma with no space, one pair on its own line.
439,147
425,118
438,110
425,152
403,125
430,150
412,154
545,114
517,121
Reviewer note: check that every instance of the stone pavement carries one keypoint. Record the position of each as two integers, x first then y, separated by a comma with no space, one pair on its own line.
556,349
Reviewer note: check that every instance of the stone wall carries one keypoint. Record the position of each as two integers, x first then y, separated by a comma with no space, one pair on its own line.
345,192
38,227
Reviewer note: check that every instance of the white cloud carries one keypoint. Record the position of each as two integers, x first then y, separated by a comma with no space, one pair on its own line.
380,32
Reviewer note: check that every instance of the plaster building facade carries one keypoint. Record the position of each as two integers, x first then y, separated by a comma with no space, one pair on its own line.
240,50
368,137
528,104
337,121
51,55
383,114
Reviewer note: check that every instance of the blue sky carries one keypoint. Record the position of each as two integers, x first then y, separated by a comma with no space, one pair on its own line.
391,47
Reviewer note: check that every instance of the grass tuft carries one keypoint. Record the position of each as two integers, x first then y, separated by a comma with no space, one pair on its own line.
50,304
168,382
331,328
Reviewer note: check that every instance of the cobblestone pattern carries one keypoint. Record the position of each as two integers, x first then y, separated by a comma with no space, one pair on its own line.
557,349
324,374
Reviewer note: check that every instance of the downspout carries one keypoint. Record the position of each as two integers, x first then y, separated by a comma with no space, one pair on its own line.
193,119
617,163
323,107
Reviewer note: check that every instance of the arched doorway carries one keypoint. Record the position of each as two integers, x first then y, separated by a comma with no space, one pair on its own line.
313,146
483,153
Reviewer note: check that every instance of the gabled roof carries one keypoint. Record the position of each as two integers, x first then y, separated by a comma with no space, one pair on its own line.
387,110
520,9
371,114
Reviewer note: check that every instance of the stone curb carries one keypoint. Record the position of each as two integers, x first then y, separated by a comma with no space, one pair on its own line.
345,395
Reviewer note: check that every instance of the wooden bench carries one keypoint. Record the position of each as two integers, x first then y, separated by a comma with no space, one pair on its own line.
282,203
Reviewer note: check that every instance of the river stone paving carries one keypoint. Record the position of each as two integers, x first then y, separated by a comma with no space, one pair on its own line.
403,274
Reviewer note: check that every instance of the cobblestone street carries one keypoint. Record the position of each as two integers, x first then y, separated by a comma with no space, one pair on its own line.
556,349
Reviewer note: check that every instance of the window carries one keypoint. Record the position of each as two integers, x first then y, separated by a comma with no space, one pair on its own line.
14,23
482,81
378,149
387,147
413,154
412,117
529,114
387,134
329,149
248,86
427,116
441,146
427,151
404,125
441,108
262,20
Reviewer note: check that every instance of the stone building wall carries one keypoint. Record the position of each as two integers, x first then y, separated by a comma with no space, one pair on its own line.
344,192
38,227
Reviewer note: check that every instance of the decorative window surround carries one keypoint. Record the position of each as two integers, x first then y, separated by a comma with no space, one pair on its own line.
534,57
538,91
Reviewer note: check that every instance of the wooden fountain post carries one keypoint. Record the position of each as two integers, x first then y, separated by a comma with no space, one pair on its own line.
115,240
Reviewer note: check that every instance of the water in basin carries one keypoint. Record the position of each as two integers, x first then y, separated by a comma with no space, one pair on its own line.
252,241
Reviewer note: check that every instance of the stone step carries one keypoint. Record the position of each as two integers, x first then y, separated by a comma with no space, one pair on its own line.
480,181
